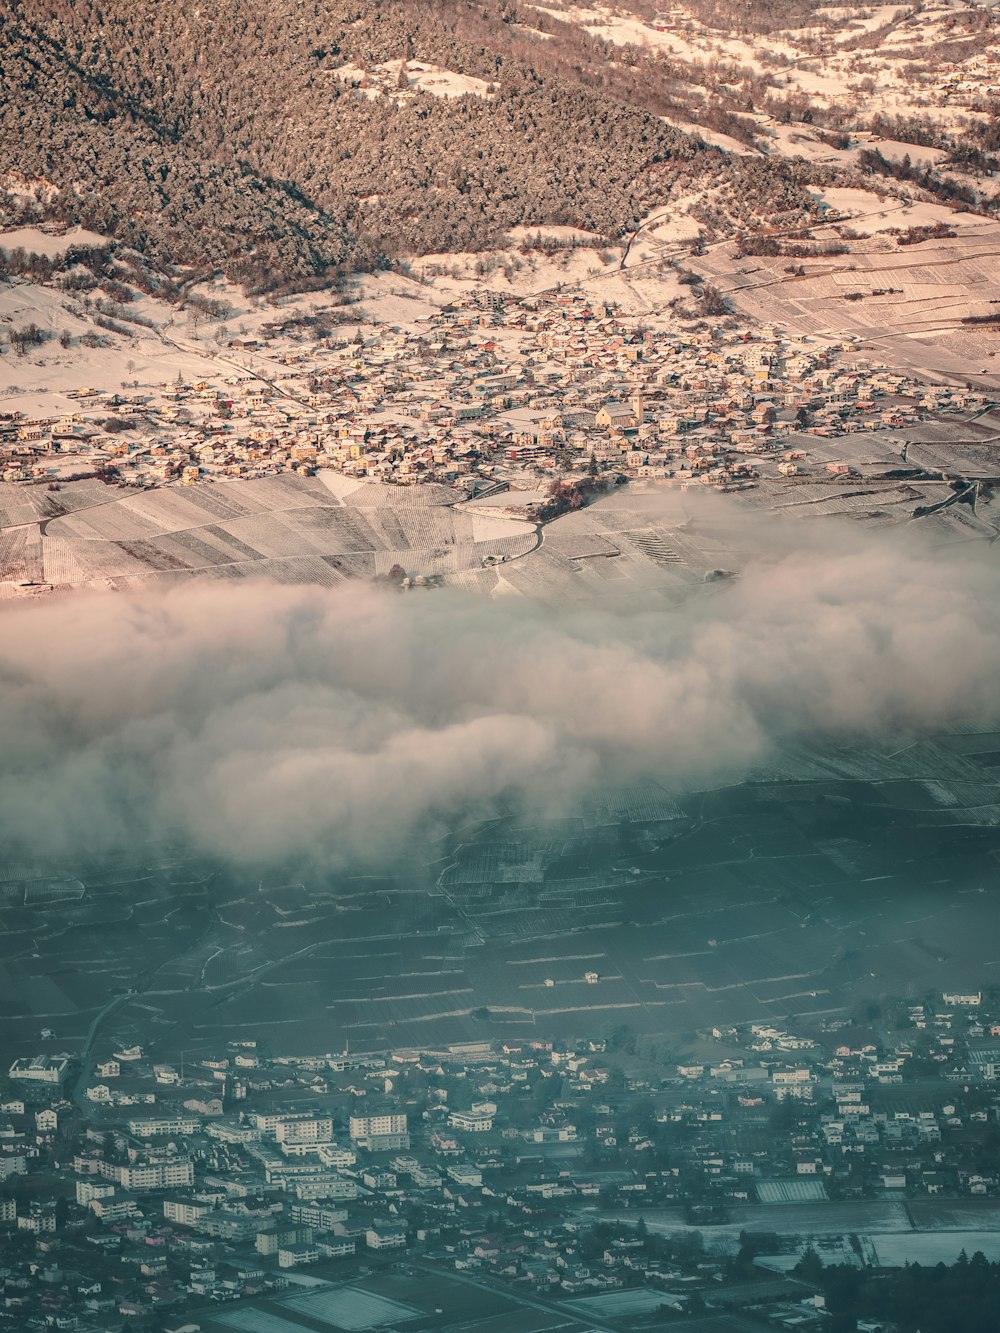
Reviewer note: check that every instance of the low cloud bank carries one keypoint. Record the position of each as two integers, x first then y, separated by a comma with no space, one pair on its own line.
258,721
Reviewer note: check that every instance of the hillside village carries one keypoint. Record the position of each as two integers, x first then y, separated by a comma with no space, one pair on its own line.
489,394
566,1170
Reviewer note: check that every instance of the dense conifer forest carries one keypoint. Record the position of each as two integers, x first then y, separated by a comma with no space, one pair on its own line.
218,132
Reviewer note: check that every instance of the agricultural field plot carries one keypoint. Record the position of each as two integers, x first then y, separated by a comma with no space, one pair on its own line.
252,1320
818,1219
21,554
830,1219
929,1248
349,1308
22,994
287,528
576,545
868,504
929,289
519,1321
495,863
715,1323
621,1304
394,1300
296,529
32,504
790,1191
430,1289
956,1214
760,901
546,574
377,495
40,892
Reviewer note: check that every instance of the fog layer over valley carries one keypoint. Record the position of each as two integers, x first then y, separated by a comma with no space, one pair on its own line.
260,721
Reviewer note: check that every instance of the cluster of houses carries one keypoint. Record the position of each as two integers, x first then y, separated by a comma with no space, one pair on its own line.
969,82
209,1179
495,392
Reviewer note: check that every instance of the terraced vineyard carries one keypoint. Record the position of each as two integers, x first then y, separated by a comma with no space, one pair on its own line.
286,528
829,882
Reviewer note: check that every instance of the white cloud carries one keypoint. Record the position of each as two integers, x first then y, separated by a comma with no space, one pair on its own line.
259,721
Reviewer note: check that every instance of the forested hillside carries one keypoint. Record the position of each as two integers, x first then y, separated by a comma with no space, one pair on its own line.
219,132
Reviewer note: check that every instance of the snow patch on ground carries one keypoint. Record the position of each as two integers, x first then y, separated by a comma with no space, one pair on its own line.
569,235
340,485
869,213
50,243
714,137
421,76
490,527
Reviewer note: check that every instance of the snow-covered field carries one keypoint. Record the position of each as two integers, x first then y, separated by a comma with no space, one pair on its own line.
419,75
39,241
938,1247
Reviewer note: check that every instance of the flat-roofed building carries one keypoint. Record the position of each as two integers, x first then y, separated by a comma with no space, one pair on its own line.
40,1069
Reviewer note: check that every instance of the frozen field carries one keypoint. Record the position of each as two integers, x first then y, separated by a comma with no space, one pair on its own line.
942,1247
286,528
349,1308
907,302
621,1304
257,1321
